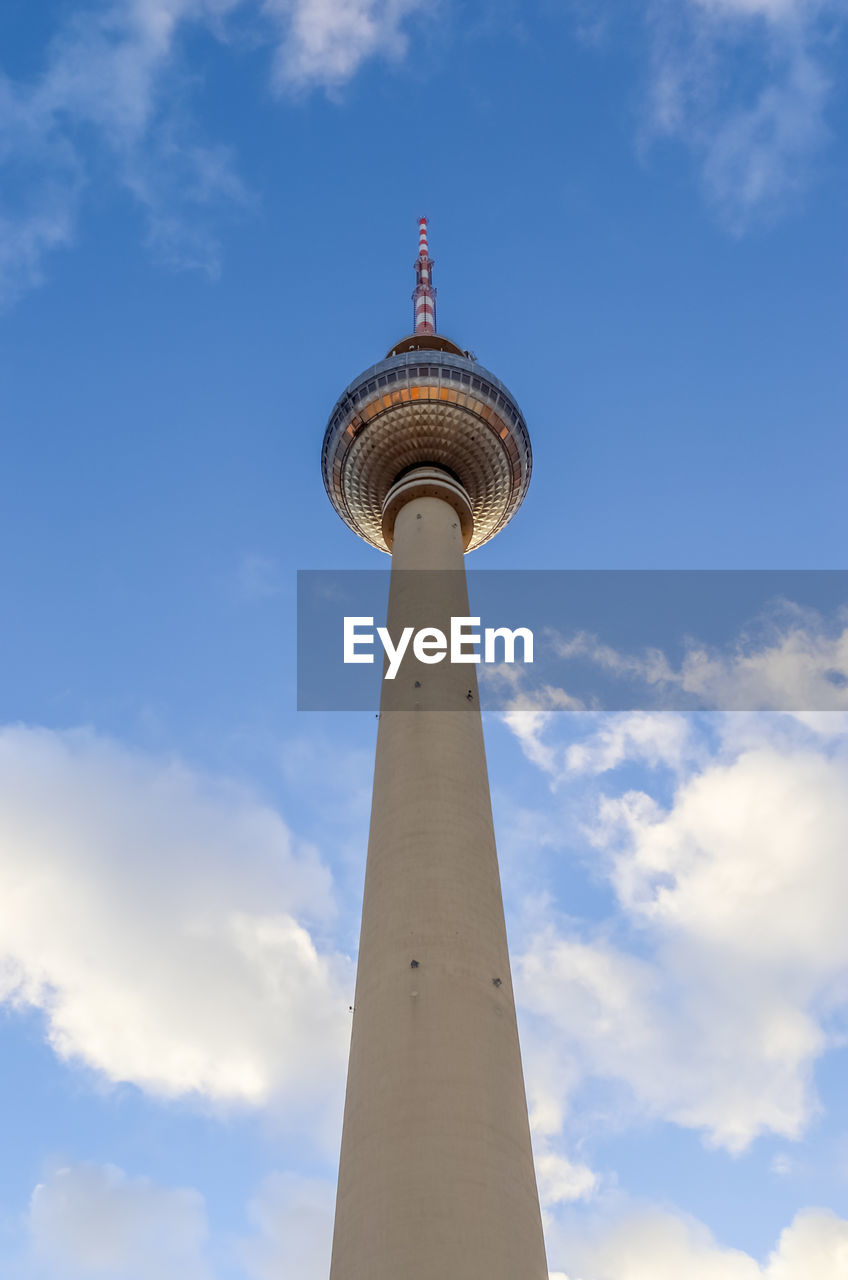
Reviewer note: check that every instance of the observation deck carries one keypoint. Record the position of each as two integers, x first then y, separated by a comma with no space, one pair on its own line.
427,404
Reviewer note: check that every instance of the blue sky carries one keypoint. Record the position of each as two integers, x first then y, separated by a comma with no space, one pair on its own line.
207,226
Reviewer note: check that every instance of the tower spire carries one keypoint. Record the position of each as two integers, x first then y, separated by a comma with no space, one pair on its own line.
424,297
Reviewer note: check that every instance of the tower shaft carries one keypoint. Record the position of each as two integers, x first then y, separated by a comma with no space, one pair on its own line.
436,1179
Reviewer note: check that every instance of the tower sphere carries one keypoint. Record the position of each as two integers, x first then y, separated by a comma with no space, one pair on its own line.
428,404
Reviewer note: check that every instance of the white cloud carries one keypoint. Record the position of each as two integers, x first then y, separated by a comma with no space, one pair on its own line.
529,728
732,1064
816,1244
802,666
530,713
87,1221
657,739
325,41
655,1244
553,1071
735,887
653,738
746,84
561,1180
750,860
773,10
153,915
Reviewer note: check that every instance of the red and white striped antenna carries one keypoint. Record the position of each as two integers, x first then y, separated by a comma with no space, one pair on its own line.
424,297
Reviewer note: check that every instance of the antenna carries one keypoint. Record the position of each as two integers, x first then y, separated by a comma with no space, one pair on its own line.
424,297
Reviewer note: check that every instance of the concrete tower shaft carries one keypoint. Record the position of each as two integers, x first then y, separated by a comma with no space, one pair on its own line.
436,1178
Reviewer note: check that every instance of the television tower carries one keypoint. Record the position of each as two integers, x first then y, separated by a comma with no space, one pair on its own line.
427,455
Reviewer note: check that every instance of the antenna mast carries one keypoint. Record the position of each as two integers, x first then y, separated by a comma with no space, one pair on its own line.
424,297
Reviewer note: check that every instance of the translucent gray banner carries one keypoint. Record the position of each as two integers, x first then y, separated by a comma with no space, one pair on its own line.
605,640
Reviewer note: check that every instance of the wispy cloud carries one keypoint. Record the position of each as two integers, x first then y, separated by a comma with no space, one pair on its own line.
794,662
113,96
746,84
325,41
109,97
